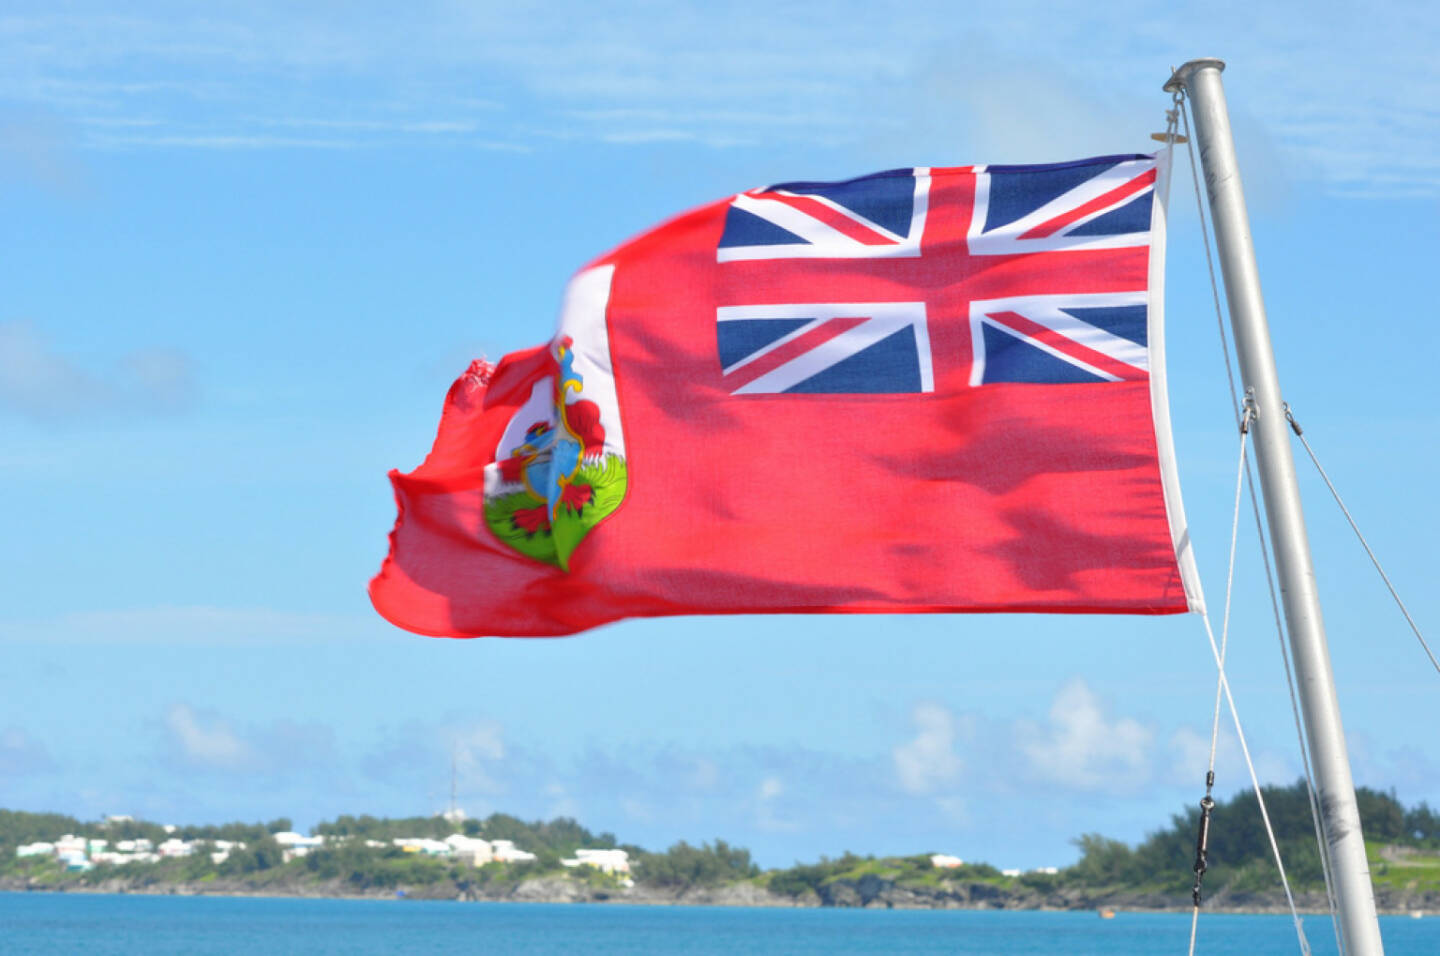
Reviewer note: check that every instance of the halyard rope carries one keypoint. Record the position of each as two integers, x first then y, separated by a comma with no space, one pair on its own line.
1224,685
1300,434
1181,107
1207,803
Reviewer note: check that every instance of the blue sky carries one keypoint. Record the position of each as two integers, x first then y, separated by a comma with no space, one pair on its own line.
247,248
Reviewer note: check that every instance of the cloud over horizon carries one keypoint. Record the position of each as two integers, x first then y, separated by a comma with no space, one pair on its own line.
536,75
1082,747
203,741
928,761
40,383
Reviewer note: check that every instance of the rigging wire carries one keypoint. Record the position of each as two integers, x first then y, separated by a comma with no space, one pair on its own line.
1255,780
1300,434
1223,686
1207,803
1181,107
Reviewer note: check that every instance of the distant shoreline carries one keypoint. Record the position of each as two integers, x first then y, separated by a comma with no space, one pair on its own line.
505,859
556,890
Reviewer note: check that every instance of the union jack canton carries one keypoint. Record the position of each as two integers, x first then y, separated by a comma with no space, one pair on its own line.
929,279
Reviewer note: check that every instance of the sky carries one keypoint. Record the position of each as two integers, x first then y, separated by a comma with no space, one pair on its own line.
247,246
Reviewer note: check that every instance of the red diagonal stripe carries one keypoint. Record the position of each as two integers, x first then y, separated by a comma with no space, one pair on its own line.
831,217
1066,345
1120,192
796,347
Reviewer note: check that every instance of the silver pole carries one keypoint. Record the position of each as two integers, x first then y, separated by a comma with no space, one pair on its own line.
1340,817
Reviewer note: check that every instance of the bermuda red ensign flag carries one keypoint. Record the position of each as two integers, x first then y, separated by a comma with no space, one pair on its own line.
921,390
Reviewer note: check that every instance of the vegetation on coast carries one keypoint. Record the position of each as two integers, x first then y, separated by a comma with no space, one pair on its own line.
358,857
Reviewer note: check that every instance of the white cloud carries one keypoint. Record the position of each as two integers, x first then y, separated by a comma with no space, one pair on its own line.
207,742
1082,747
1347,91
1190,752
41,383
476,747
767,814
928,762
204,740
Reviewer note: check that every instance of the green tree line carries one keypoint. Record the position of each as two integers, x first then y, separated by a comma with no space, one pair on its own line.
1239,851
1239,854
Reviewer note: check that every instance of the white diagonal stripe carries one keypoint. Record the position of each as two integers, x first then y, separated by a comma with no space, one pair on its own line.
1048,310
1085,192
825,242
882,319
1065,357
802,330
1090,336
850,214
790,219
1004,240
816,360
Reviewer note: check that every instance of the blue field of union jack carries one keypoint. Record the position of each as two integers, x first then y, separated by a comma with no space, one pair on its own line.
1102,203
1060,227
882,214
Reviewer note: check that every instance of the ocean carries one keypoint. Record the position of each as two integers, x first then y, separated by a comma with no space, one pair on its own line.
98,925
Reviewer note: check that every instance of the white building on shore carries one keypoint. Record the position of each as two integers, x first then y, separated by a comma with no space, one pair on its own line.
607,861
294,845
78,852
505,852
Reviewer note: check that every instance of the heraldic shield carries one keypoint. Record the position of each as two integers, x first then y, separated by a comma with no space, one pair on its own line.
559,467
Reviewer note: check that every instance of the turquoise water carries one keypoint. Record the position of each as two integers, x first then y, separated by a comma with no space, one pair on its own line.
133,925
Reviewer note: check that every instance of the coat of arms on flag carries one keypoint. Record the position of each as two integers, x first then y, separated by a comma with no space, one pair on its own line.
559,466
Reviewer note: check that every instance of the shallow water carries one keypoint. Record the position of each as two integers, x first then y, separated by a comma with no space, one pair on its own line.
126,925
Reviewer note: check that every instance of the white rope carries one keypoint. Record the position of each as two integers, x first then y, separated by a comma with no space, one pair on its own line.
1255,782
1229,581
1182,107
1218,652
1300,434
1220,656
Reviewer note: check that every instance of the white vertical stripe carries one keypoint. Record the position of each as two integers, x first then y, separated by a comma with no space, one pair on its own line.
1160,397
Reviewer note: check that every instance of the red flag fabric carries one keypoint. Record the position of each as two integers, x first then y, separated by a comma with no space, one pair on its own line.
922,390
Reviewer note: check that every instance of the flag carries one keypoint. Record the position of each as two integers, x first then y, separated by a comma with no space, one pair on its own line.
927,389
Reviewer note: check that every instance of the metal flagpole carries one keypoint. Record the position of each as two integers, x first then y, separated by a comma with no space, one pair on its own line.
1340,817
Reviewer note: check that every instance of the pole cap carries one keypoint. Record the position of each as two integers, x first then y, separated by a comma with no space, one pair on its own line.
1178,78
